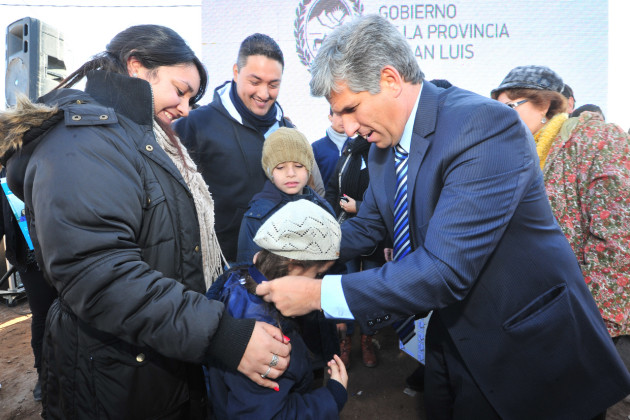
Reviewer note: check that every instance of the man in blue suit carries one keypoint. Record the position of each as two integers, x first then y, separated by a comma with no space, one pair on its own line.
515,333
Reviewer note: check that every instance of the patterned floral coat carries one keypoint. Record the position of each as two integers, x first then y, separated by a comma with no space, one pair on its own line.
587,176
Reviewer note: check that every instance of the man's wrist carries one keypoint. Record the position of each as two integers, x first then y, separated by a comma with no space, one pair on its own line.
332,298
317,295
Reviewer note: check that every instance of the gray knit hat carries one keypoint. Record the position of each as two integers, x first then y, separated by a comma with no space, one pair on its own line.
286,145
301,230
530,77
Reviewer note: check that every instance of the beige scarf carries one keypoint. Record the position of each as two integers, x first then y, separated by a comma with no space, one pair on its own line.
211,251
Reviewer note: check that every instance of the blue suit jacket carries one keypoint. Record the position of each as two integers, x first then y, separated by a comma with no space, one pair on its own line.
490,258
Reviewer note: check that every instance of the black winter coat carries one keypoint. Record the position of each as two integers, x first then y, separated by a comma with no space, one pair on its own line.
227,153
115,230
351,177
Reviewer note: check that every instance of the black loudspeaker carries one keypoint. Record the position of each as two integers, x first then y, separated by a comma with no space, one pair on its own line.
34,59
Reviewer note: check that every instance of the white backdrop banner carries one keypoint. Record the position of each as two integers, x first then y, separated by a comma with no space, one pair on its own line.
472,44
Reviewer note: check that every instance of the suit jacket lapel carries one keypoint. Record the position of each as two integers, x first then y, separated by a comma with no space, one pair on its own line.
423,128
383,179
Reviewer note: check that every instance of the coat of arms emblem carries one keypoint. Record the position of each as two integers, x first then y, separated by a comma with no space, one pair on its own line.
316,19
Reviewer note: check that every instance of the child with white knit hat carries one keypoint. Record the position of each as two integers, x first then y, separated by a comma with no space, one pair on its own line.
303,239
287,159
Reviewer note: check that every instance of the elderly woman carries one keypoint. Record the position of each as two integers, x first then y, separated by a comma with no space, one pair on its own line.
586,171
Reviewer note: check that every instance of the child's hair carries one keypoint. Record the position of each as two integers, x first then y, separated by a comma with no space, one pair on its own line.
286,145
273,266
299,233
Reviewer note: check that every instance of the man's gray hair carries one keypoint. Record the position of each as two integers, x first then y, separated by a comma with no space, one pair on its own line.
355,53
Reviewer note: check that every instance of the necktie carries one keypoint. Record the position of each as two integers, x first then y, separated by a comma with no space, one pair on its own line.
402,245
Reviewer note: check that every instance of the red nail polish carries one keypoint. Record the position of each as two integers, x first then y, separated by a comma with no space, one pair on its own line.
287,339
277,389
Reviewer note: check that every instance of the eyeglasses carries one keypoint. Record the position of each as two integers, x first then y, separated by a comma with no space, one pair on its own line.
515,104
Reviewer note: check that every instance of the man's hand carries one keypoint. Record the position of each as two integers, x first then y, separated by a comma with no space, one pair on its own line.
292,295
348,204
266,340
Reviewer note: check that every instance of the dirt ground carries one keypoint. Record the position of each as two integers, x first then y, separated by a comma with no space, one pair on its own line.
377,393
17,374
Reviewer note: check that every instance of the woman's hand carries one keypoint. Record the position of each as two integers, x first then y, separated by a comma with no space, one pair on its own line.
265,342
337,371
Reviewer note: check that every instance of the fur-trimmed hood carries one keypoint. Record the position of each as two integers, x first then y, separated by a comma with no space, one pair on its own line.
106,95
25,122
28,121
23,127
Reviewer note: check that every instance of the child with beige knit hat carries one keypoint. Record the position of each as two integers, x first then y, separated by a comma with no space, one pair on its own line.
303,239
287,159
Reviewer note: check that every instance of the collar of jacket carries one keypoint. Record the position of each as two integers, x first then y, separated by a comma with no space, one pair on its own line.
133,98
129,96
222,102
276,195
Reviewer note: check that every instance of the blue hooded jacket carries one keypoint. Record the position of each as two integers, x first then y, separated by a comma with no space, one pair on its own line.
233,395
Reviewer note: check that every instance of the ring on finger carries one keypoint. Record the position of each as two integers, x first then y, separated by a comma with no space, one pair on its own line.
274,360
264,375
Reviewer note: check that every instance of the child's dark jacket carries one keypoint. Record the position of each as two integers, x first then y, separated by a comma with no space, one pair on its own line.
233,395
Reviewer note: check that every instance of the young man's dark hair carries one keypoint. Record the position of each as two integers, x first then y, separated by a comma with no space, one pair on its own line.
259,44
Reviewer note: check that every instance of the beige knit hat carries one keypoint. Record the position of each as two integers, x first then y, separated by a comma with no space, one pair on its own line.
286,145
301,230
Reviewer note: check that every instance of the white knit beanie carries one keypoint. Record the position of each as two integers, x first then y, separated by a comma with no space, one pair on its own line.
301,230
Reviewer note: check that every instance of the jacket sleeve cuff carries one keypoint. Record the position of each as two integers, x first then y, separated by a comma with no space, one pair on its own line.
339,393
230,341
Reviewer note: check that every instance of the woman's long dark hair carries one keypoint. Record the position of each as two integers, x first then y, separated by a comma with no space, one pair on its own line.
153,45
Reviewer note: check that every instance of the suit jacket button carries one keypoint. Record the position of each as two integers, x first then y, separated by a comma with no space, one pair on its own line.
386,317
379,320
370,323
140,358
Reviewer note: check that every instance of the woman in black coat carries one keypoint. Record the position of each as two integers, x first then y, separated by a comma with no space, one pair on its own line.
122,225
